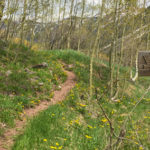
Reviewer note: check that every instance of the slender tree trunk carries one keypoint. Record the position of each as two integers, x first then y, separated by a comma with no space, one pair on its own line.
35,19
89,51
80,25
118,60
118,68
23,21
57,42
71,24
2,5
94,49
9,18
112,57
136,59
62,26
148,41
51,35
14,19
131,55
148,35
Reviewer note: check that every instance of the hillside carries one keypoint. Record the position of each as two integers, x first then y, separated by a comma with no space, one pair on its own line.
78,122
23,86
71,75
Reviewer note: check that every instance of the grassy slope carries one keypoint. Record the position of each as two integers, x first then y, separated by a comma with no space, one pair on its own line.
21,89
78,123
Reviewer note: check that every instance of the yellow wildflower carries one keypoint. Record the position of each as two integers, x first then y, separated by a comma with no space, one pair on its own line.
63,118
104,120
112,112
45,140
53,114
136,143
71,122
119,101
90,126
53,147
77,122
57,144
141,148
88,137
60,147
82,105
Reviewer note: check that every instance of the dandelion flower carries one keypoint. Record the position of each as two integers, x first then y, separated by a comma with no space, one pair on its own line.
45,140
88,137
136,143
141,148
90,127
53,147
53,114
82,105
63,118
60,147
57,144
104,120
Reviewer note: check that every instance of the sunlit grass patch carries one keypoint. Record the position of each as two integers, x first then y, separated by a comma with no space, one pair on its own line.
22,86
79,123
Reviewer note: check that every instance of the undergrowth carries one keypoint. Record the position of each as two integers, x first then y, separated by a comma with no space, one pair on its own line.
79,123
21,85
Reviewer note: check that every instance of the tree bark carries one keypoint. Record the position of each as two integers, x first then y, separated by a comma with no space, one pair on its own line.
23,21
71,24
80,25
94,49
2,5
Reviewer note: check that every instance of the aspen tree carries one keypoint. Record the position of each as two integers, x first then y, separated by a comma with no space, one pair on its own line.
36,7
94,48
44,13
62,24
14,26
51,42
9,18
2,5
75,15
133,5
92,27
80,24
59,15
148,35
23,21
112,57
137,50
131,53
59,12
121,54
71,24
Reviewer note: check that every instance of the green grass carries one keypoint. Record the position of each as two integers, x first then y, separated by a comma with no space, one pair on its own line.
79,124
21,89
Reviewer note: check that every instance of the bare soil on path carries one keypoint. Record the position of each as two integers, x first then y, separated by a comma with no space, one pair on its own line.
7,140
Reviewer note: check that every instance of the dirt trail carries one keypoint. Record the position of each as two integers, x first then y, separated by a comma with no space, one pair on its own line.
7,140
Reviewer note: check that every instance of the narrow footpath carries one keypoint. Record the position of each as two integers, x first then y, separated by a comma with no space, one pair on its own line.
7,140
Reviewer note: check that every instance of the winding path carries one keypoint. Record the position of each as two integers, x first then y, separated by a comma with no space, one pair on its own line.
8,138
